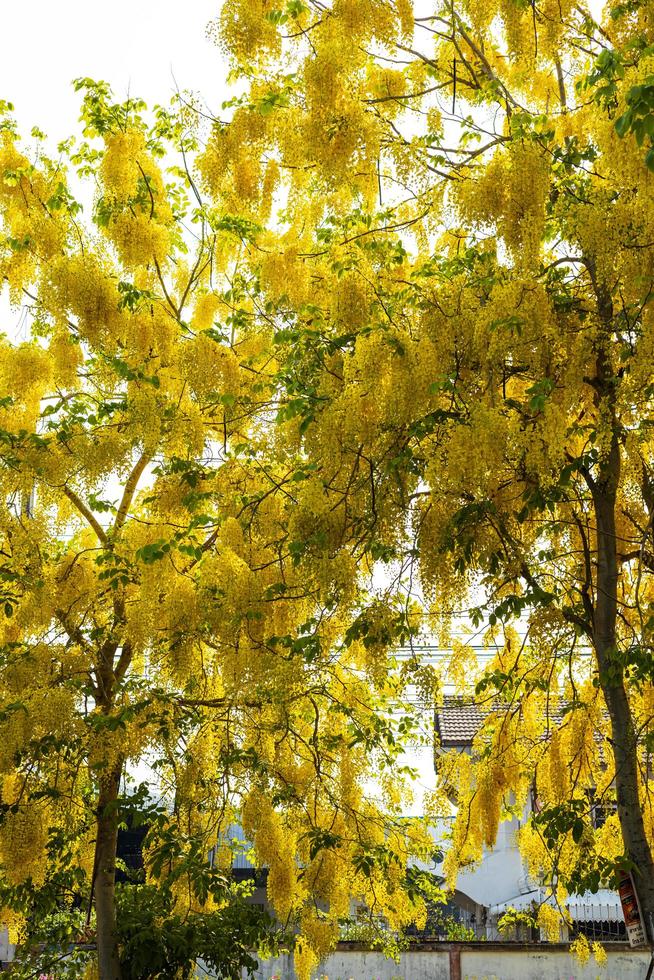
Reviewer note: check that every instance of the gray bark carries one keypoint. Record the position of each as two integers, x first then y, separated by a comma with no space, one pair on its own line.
612,680
105,876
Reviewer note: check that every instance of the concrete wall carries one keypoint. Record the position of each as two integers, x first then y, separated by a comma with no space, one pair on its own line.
461,961
546,964
362,965
6,951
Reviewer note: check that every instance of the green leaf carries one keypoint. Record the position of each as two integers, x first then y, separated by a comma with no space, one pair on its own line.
623,123
577,830
305,423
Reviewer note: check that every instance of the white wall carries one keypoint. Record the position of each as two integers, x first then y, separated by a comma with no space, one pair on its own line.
358,965
547,964
499,875
519,963
6,951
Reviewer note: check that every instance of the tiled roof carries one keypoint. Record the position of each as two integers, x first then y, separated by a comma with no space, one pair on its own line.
458,721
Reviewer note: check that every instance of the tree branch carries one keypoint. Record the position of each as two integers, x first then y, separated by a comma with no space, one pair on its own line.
87,514
130,487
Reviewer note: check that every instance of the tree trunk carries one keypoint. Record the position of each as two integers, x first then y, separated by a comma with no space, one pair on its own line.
105,875
612,680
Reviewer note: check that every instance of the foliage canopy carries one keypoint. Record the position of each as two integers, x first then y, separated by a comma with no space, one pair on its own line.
463,252
169,597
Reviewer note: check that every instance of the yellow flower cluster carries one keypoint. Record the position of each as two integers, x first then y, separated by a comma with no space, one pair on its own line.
550,922
231,165
36,232
511,193
204,311
304,959
275,846
23,834
124,163
580,949
83,285
211,367
139,239
284,273
139,214
245,30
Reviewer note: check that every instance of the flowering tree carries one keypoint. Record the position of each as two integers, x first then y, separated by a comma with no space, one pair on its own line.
392,311
460,270
170,594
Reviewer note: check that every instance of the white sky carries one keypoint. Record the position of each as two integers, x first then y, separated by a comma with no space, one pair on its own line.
135,45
